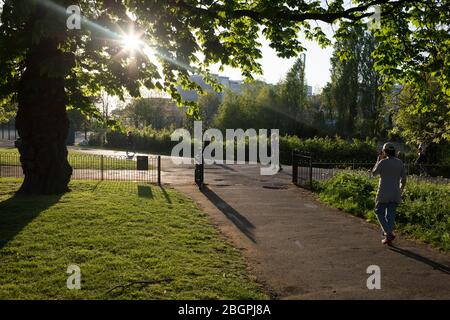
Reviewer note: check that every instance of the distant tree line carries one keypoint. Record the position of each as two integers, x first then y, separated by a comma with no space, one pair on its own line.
356,103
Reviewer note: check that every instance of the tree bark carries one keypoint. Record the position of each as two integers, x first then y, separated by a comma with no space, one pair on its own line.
42,122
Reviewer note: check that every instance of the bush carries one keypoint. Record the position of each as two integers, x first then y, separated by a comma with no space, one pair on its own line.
424,212
144,140
351,192
328,149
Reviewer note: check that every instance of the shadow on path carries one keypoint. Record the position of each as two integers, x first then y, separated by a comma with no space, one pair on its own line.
435,265
224,166
18,211
244,225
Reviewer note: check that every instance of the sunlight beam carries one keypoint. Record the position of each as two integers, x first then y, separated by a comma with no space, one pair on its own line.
115,36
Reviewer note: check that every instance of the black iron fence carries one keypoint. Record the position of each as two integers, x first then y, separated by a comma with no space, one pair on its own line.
144,169
306,170
302,169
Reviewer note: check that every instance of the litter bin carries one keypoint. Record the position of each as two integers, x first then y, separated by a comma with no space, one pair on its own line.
142,163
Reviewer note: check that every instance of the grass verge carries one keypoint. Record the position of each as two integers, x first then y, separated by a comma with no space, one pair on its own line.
424,212
130,241
78,160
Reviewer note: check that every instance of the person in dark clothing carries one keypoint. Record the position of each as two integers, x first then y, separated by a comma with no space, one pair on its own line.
421,159
130,144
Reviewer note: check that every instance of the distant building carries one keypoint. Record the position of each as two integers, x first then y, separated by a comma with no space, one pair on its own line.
309,91
192,95
235,86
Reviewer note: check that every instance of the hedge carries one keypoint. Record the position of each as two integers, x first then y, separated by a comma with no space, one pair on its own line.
326,149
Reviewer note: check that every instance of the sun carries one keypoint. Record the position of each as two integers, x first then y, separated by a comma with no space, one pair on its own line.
131,42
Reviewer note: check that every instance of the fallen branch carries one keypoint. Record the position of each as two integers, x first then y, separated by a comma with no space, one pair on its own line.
134,282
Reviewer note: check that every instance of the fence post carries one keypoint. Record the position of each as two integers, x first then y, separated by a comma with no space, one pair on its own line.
310,173
294,168
159,170
202,172
101,166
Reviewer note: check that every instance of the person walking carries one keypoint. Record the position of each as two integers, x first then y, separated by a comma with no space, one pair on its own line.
390,188
421,160
130,145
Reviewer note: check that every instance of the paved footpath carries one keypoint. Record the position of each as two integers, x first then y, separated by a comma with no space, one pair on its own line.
302,249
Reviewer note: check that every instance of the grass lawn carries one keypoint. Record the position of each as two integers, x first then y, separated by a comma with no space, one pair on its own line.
78,160
118,234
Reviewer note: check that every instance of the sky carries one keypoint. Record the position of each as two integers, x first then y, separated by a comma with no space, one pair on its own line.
317,68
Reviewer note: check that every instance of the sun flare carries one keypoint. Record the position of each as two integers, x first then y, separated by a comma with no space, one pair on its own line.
131,42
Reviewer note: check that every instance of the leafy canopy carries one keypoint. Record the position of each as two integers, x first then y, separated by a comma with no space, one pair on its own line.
189,36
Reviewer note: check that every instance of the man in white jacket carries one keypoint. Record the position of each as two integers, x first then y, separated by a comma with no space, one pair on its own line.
390,188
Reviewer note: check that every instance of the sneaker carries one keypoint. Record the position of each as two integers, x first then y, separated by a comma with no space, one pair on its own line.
386,240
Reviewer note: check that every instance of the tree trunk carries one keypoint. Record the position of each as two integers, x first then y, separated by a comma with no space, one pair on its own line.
42,122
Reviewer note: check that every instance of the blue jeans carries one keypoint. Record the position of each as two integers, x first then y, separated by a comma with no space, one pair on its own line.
386,216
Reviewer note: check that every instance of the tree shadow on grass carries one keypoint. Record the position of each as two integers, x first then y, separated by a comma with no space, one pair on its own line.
116,186
142,189
18,211
435,265
148,191
242,223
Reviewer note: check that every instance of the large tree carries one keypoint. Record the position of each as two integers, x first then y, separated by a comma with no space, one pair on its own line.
158,113
414,51
353,93
430,124
294,97
45,68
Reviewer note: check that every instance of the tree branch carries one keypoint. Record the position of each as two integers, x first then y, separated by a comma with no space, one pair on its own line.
354,14
134,282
